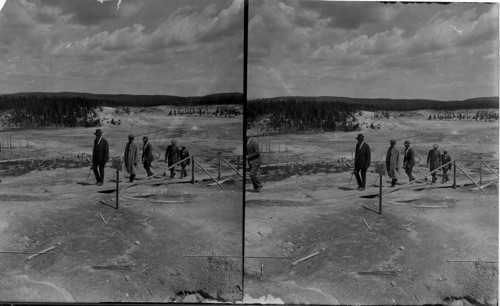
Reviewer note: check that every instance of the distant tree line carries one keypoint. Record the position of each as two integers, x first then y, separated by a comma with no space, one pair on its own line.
483,115
297,114
219,111
291,115
74,109
402,104
138,100
36,111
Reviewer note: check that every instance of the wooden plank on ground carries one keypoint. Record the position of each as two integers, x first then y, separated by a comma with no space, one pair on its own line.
220,182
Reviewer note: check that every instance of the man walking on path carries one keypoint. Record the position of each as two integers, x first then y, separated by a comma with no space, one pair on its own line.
147,155
434,161
392,162
183,154
131,157
362,159
445,158
409,160
100,156
254,162
172,156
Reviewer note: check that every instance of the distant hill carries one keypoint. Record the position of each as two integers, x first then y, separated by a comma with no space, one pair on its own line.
132,100
42,109
395,104
296,114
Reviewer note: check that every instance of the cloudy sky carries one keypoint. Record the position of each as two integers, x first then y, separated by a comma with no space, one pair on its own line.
175,47
372,50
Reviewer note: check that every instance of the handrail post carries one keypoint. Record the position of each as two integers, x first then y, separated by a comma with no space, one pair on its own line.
459,168
192,169
218,169
380,196
454,175
229,164
481,171
238,164
117,186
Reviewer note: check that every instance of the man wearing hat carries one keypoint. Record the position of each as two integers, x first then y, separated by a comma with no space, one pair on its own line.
434,161
131,157
147,155
100,156
172,156
445,158
183,154
362,159
409,160
254,162
392,162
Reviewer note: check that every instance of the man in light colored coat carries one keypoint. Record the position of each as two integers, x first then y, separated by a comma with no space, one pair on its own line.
131,157
392,162
172,156
445,158
254,162
434,161
183,154
409,160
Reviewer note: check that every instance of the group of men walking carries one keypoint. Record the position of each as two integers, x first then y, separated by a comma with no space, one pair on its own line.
100,156
362,159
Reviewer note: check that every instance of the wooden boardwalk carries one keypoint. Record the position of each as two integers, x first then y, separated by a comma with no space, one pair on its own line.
110,185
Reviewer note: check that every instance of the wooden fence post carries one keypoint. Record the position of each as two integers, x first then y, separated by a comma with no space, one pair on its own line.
218,169
117,186
192,169
471,180
380,196
481,171
454,175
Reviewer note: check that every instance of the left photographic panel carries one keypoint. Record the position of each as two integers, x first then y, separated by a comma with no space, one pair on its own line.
121,132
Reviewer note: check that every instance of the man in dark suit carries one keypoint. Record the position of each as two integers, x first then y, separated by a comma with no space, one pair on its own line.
254,162
147,155
445,158
409,160
184,153
362,159
172,156
100,156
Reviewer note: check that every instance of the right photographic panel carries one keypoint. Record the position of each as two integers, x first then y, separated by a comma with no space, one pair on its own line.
372,153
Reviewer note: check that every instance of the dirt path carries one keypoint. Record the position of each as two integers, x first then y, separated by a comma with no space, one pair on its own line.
137,256
401,259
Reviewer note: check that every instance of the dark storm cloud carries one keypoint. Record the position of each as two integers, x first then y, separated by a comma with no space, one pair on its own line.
85,12
345,14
